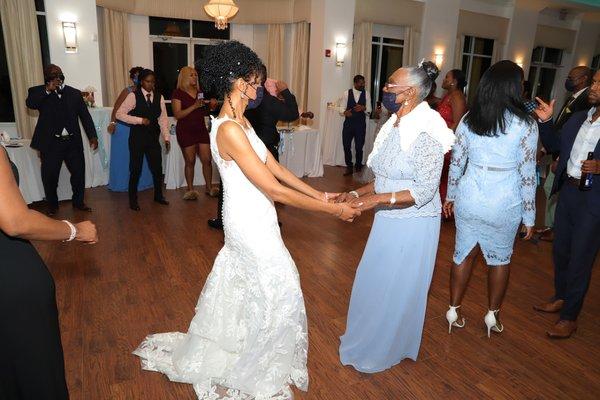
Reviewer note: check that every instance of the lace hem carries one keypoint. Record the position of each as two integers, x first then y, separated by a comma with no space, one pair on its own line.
158,353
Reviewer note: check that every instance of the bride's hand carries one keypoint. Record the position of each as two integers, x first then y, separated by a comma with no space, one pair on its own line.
348,211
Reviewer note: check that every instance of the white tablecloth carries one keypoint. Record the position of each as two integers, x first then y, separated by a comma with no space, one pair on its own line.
333,148
301,152
96,162
174,165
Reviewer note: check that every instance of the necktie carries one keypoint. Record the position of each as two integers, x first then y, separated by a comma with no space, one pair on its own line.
564,109
148,101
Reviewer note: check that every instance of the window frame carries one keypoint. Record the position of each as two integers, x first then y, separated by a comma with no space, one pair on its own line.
539,65
470,56
189,40
375,89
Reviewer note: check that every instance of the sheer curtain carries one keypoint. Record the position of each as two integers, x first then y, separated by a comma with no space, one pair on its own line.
24,58
458,51
299,83
117,59
275,38
361,51
408,55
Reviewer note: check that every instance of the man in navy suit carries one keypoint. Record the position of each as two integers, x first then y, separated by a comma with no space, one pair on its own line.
57,135
577,218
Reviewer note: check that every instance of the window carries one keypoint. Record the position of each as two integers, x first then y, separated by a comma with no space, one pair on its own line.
386,57
40,11
7,112
596,62
476,59
177,43
545,62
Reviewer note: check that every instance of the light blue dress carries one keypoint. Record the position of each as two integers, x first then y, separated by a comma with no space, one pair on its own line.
492,182
389,296
118,179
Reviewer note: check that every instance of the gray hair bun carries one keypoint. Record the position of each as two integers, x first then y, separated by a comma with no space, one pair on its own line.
430,69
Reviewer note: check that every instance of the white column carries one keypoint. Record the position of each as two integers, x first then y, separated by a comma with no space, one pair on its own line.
81,69
438,36
332,21
521,32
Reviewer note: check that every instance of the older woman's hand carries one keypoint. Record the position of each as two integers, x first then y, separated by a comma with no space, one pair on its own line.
344,198
366,202
448,208
349,211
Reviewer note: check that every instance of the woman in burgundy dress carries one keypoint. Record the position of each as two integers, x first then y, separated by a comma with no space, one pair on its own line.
451,107
190,109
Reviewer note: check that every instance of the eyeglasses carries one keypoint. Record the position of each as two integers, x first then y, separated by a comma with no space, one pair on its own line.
390,86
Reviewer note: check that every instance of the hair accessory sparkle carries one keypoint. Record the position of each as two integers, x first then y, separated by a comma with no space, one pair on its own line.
420,64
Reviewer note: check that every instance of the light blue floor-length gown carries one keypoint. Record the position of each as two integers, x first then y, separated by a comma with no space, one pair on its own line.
389,296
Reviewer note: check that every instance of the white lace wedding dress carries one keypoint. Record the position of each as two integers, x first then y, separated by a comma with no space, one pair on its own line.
248,339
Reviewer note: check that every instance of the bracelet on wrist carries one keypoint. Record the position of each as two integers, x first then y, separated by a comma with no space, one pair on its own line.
354,193
73,231
393,199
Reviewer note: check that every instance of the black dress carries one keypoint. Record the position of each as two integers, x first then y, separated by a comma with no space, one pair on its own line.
31,359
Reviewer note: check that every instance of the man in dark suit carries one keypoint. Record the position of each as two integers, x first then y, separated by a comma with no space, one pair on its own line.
271,110
264,120
57,135
578,84
577,222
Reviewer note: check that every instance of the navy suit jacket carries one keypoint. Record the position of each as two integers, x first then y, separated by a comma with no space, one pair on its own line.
563,144
58,113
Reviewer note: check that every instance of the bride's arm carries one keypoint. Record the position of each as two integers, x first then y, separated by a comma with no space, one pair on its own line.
233,144
284,175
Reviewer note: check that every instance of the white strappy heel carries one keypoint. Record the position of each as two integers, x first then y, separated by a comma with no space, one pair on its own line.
452,318
491,323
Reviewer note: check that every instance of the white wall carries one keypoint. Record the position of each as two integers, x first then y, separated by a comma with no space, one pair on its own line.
81,69
440,27
332,21
388,31
139,39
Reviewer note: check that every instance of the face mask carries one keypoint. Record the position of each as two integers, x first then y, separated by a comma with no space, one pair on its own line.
253,103
569,85
389,101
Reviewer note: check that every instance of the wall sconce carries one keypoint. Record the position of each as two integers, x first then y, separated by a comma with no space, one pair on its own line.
340,54
438,59
70,35
519,62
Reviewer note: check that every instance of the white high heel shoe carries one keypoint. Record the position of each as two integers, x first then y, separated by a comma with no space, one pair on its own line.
491,323
452,318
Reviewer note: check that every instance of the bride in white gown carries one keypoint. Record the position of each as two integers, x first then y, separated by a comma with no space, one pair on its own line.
248,339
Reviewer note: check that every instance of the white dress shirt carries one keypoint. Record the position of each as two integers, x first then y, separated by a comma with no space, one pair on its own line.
343,101
585,142
129,104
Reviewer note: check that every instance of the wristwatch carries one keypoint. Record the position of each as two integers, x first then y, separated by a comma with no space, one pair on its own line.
393,199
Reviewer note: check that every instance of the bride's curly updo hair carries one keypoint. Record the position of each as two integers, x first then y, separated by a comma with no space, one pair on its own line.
224,63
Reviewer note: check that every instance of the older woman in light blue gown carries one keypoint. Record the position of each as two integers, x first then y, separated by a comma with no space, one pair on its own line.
389,296
491,186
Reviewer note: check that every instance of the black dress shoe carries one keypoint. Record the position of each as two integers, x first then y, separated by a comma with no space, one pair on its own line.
82,207
134,206
349,171
215,223
162,201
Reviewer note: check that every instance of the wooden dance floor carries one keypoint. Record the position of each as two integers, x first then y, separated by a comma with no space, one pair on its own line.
146,273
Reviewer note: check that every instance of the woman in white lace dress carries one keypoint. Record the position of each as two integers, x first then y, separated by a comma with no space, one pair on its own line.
389,296
248,339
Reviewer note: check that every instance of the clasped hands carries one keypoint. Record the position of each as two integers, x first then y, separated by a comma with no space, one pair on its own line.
362,203
347,211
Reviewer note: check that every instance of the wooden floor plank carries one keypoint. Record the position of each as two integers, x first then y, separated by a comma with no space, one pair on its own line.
147,272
